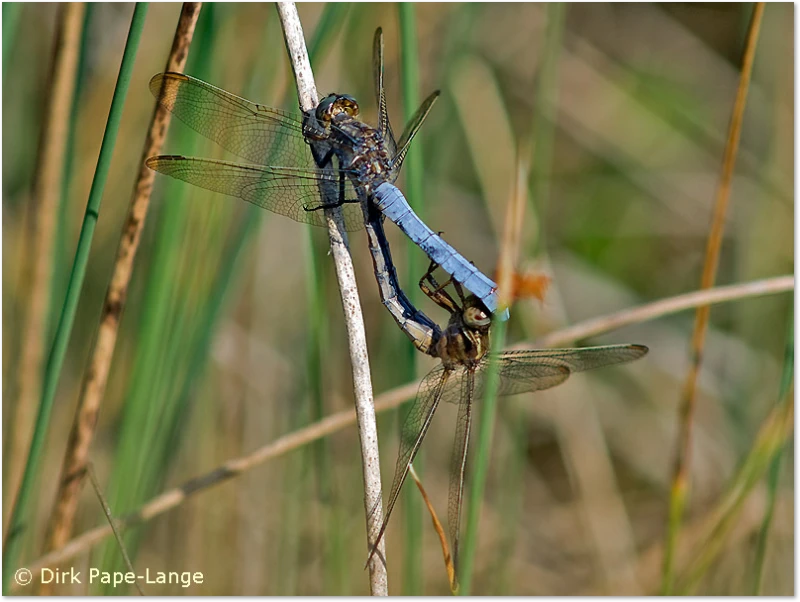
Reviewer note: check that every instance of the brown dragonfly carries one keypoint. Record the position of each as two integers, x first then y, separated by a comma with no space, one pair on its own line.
463,347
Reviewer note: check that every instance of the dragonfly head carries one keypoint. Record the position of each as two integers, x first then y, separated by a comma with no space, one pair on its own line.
334,105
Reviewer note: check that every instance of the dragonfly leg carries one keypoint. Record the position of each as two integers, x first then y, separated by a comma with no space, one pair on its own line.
341,201
437,288
429,274
435,291
338,203
459,291
321,161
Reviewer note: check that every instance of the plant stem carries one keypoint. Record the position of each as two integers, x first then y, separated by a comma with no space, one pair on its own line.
681,474
512,235
43,214
96,375
413,573
329,425
23,504
354,321
773,475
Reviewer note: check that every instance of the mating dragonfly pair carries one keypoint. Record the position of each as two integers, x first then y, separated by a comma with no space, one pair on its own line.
290,171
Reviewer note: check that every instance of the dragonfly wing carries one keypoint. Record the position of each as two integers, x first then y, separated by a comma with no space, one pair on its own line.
384,127
414,429
260,134
283,190
458,465
535,370
411,130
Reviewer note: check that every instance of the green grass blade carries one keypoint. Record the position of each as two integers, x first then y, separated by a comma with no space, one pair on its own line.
330,23
187,347
483,452
545,92
413,511
136,437
11,14
773,475
55,361
140,455
545,117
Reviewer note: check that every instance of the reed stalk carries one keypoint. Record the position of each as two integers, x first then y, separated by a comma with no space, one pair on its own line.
112,524
332,541
543,129
11,14
354,321
392,399
165,333
23,504
679,489
413,516
47,189
62,246
96,376
664,307
512,235
773,476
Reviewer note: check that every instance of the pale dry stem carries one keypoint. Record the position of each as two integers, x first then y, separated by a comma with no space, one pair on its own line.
386,401
354,320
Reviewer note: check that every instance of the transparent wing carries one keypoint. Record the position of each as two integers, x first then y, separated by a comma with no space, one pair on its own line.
458,463
384,127
431,391
539,369
283,190
411,130
520,371
260,134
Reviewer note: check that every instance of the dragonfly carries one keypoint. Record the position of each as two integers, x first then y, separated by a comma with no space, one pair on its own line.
463,348
284,177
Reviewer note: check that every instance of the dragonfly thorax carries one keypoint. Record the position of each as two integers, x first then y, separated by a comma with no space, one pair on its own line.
360,148
361,151
466,338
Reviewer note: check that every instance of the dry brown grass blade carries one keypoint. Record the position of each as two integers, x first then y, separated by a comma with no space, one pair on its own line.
96,375
386,401
437,525
680,473
512,230
479,444
43,215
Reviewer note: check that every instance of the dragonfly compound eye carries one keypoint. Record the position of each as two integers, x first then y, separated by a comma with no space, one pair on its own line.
475,317
348,104
325,108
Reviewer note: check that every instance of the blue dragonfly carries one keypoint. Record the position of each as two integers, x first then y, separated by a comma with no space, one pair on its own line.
290,157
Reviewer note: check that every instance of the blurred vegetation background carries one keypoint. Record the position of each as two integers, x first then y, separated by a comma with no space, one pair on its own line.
626,107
